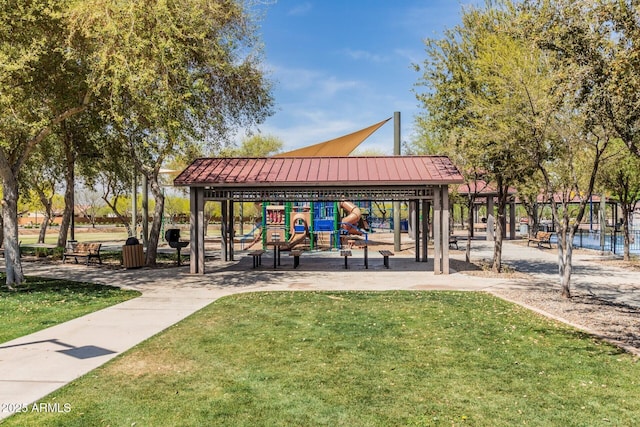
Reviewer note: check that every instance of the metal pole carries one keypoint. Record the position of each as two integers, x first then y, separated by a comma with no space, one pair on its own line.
145,211
603,220
134,206
73,209
396,205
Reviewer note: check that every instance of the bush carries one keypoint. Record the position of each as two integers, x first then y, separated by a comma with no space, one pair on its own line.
42,252
56,253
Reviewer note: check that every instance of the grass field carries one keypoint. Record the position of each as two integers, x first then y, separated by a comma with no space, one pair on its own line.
101,234
357,359
42,303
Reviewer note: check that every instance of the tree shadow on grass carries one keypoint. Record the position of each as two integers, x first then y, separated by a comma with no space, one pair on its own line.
32,285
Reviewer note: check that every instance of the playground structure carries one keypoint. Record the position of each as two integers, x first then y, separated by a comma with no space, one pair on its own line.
321,225
317,225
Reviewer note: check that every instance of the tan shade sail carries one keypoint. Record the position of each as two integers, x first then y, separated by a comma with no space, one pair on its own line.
338,147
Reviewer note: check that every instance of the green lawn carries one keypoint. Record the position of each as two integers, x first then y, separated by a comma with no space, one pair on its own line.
92,235
41,303
358,359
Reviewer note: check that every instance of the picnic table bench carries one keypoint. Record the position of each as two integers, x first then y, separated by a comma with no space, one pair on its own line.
257,257
541,238
346,255
83,250
385,256
296,257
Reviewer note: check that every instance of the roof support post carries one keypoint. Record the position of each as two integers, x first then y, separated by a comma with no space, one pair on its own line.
445,228
396,205
441,229
414,224
426,207
231,230
437,230
196,230
224,234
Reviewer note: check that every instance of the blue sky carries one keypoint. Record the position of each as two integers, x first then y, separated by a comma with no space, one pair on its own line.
342,65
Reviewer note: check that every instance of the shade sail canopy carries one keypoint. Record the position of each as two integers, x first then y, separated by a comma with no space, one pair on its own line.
342,146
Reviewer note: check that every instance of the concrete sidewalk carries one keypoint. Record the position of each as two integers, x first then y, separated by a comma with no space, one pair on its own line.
35,365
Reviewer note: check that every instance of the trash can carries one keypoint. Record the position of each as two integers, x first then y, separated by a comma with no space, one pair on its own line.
132,254
524,229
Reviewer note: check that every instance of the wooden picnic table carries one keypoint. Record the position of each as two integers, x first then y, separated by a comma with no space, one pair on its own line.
277,245
363,245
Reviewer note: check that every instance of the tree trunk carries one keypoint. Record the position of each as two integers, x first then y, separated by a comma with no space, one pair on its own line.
467,254
1,225
626,213
13,264
566,233
500,227
566,264
156,225
43,227
124,221
69,192
47,203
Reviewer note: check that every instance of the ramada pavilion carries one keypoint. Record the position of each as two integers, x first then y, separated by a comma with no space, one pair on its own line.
422,181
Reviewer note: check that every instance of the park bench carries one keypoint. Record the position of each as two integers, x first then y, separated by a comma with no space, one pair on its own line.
257,257
385,256
296,258
83,250
346,255
541,238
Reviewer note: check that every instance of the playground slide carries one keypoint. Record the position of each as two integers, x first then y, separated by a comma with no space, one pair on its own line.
352,218
299,236
255,240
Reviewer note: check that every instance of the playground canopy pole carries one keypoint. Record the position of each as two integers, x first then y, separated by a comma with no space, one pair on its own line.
396,205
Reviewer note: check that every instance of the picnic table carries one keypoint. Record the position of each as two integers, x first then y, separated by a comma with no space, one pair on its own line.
277,245
363,245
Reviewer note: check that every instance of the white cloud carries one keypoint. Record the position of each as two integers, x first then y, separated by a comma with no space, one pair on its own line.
413,56
363,55
315,84
300,10
331,86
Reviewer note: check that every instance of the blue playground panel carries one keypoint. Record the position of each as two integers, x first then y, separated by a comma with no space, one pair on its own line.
323,225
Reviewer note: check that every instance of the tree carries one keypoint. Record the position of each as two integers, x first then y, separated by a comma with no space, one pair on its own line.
482,79
517,89
89,204
568,157
620,175
39,89
185,72
621,21
255,146
39,180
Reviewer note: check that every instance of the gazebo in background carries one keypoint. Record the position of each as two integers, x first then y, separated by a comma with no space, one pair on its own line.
485,194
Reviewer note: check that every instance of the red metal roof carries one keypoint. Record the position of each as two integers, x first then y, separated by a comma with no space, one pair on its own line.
301,171
482,188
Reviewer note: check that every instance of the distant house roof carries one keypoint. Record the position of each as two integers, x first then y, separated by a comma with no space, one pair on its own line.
322,171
